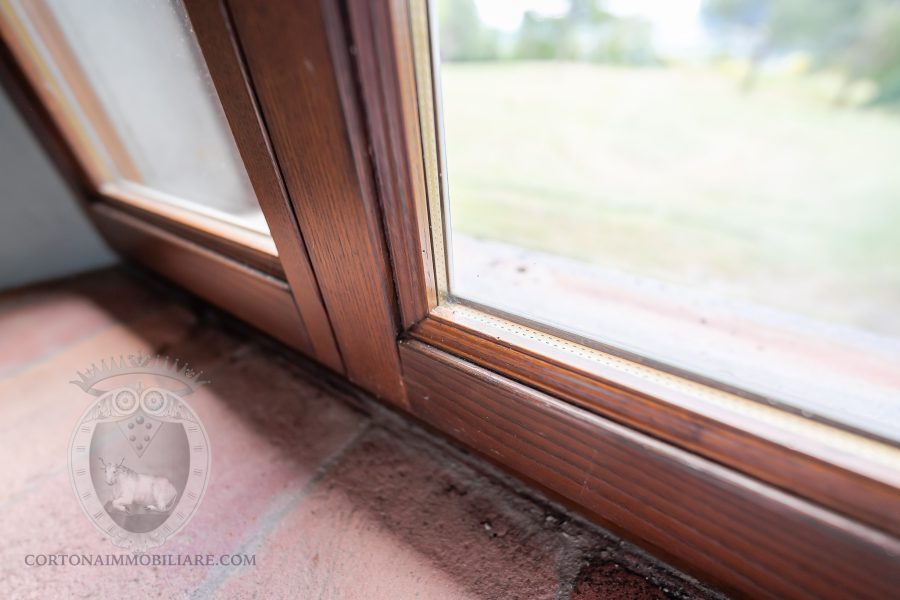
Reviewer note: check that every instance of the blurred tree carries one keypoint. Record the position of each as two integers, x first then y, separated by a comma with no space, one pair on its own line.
875,52
586,32
861,38
539,37
463,36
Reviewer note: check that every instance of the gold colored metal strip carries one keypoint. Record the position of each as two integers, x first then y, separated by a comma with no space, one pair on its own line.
430,127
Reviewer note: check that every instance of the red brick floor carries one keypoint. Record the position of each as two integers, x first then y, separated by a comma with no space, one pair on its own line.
335,496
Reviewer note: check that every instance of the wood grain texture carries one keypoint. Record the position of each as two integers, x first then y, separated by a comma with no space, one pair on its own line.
305,91
733,530
254,249
805,463
47,116
214,32
384,64
729,500
360,484
250,295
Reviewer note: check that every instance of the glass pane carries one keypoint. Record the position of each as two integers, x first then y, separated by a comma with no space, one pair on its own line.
712,185
137,83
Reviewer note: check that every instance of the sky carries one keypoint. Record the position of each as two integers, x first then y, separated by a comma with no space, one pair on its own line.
676,23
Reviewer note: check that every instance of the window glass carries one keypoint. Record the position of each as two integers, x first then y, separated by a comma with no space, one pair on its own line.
711,185
135,78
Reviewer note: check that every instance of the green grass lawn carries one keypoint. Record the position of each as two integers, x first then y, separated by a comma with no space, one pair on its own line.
777,196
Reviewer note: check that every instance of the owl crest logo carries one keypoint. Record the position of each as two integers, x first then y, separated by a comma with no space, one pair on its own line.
139,458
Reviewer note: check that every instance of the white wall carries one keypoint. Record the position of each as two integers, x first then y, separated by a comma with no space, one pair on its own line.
43,232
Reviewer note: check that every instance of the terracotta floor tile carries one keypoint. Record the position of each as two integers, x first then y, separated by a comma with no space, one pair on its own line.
392,520
336,499
61,313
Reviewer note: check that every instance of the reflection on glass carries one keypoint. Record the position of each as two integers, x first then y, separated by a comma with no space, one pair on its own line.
135,78
712,184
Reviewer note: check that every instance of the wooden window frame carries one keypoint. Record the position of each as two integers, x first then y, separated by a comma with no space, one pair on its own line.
322,97
799,508
215,259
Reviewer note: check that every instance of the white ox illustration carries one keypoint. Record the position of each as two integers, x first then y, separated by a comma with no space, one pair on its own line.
149,491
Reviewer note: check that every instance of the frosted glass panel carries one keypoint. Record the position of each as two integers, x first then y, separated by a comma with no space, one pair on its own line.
141,88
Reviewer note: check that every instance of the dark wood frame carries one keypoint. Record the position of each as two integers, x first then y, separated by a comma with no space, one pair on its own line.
329,180
223,54
746,537
598,430
226,260
322,99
